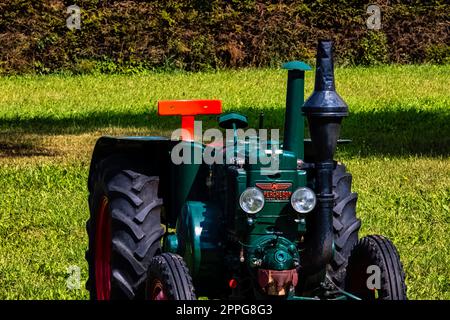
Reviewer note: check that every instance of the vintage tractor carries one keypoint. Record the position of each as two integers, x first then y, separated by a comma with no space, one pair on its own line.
234,228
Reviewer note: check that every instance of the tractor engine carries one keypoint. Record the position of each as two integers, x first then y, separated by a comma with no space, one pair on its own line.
271,227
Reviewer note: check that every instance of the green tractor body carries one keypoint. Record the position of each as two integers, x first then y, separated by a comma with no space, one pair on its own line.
234,223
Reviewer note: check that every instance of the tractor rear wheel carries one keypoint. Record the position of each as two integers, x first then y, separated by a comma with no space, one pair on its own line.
168,279
375,271
124,229
345,224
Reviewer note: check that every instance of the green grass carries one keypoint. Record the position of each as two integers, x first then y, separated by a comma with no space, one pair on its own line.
41,230
399,123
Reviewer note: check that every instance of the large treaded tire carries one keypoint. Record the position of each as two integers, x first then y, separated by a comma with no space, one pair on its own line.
378,251
173,278
136,230
345,224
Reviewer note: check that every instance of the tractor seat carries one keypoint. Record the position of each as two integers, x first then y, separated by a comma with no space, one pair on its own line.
233,120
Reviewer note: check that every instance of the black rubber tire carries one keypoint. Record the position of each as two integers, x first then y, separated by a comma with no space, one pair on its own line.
379,251
171,271
345,224
136,229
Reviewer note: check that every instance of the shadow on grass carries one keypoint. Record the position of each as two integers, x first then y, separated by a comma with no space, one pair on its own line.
390,133
10,149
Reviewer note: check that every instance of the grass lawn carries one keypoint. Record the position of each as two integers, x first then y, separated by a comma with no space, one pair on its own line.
400,160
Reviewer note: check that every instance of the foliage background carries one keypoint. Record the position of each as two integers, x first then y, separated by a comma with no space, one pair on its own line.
128,36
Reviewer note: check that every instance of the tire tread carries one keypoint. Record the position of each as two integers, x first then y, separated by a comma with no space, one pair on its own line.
136,228
345,223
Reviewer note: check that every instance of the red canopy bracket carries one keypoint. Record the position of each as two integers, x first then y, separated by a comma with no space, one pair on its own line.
188,109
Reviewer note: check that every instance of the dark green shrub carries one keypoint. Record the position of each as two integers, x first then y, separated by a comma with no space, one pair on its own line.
132,35
373,48
439,54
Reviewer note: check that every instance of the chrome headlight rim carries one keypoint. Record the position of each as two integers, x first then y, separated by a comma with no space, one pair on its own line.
310,193
245,193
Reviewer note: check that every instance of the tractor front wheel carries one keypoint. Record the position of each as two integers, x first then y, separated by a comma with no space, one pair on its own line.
374,270
169,279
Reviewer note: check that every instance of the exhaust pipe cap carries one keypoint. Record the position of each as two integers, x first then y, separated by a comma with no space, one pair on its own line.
325,101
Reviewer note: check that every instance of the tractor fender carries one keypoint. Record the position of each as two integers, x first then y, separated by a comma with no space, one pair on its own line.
152,157
151,154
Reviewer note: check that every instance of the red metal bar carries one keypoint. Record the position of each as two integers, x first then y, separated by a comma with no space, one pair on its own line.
187,124
187,109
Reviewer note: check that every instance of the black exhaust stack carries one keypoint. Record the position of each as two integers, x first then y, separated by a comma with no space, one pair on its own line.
324,110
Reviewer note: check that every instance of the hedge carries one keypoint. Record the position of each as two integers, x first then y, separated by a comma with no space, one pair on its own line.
196,35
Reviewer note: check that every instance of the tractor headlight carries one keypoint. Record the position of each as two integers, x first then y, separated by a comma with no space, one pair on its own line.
251,200
303,200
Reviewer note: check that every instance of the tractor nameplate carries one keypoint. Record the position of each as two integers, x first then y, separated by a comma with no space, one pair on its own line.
275,191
